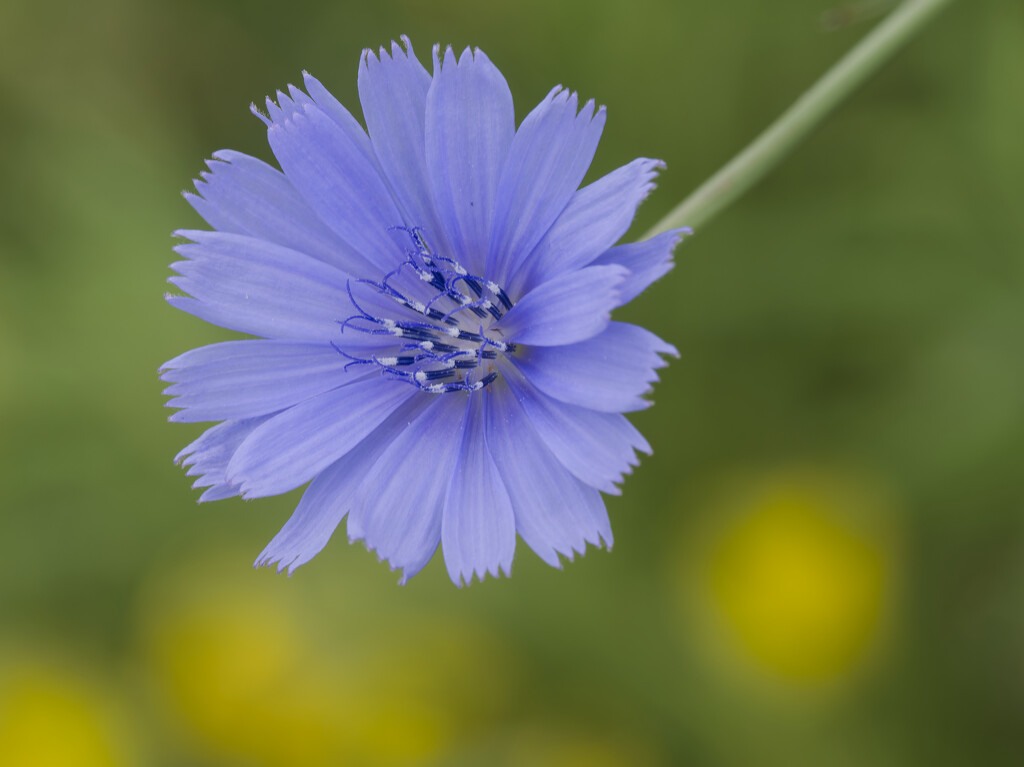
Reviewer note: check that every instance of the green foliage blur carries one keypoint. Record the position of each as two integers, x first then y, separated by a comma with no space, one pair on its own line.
821,564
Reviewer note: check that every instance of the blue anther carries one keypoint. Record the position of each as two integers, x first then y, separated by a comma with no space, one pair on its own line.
415,333
438,375
437,354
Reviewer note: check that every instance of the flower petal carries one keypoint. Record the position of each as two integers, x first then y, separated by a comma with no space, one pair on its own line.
470,122
599,448
295,101
294,446
337,180
565,310
329,496
555,513
646,261
610,372
397,510
393,92
243,195
252,286
208,456
548,159
334,109
593,221
478,528
243,379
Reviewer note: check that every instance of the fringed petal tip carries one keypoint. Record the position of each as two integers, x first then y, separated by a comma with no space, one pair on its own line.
597,540
407,572
179,416
190,236
565,554
258,113
403,48
469,55
668,351
217,493
479,575
283,107
588,112
289,562
674,238
178,301
605,541
650,171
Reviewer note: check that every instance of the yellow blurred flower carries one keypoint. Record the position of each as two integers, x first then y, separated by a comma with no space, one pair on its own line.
257,679
229,665
798,572
52,717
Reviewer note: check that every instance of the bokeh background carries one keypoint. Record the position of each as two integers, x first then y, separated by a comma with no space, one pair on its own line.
821,564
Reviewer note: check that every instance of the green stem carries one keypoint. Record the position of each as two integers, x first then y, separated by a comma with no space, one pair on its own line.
768,149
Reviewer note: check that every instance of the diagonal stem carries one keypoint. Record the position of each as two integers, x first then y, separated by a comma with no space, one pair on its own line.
779,138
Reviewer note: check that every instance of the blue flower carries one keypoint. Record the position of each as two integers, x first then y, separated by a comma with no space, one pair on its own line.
431,301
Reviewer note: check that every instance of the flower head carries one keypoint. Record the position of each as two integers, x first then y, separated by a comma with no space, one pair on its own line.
431,299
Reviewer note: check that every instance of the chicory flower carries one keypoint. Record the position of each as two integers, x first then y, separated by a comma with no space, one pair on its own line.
430,299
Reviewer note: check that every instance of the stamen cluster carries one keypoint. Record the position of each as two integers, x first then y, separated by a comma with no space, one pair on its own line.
452,348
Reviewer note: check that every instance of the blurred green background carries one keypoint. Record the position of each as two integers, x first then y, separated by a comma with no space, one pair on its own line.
821,564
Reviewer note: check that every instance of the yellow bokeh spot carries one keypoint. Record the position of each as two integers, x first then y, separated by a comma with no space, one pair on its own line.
254,677
50,718
796,578
230,665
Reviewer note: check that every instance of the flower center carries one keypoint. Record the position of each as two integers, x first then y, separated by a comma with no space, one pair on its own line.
444,341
